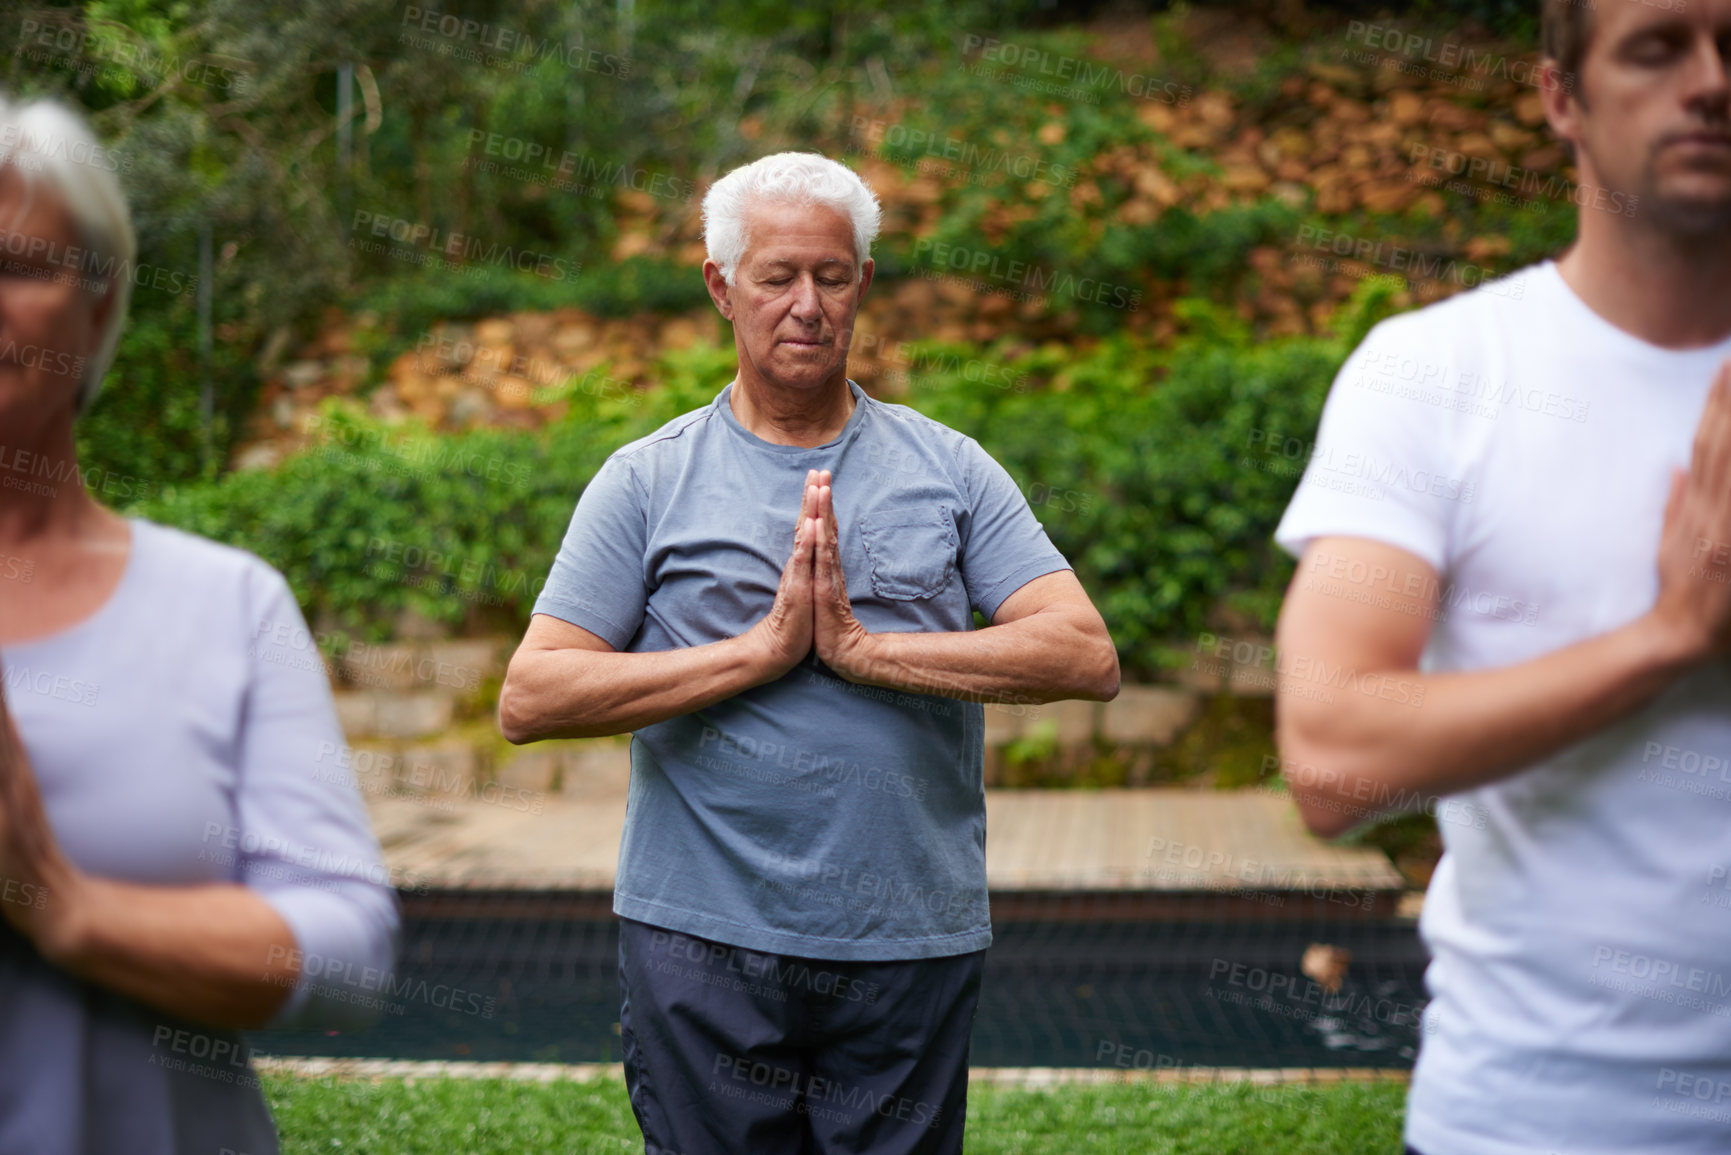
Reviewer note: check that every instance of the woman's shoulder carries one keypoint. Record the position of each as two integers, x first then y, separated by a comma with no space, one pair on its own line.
200,565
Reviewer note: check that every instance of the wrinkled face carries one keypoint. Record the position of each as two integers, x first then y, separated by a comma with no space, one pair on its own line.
1656,117
50,318
794,295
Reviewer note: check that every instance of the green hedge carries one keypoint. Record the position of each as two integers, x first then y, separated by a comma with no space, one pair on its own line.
1143,465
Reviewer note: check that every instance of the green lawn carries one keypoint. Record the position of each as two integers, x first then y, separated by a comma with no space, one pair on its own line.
497,1117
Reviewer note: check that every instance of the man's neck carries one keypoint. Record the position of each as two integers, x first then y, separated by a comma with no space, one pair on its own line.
1669,290
802,417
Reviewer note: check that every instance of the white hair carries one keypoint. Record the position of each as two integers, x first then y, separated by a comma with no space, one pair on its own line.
50,145
801,178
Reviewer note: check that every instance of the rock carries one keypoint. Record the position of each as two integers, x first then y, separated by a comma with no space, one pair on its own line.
261,456
448,768
1478,146
413,715
1406,109
471,406
300,374
1510,138
1530,109
1389,196
1245,178
1326,965
1148,715
496,331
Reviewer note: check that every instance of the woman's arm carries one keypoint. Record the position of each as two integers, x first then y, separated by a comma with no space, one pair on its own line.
305,931
218,954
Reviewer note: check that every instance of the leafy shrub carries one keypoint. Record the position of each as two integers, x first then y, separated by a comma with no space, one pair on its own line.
1142,464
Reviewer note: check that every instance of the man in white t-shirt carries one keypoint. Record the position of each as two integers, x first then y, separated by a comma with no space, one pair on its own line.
1514,595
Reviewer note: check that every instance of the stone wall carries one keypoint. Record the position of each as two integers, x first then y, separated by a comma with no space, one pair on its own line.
419,719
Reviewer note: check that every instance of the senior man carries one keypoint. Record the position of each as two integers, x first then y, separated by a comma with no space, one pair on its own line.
775,593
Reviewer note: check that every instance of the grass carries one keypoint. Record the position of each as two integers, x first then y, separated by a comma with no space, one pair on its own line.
500,1117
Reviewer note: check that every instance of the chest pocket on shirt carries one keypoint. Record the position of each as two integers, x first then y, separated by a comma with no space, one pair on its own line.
912,551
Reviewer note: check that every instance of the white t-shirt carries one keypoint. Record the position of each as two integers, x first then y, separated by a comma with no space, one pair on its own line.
1580,919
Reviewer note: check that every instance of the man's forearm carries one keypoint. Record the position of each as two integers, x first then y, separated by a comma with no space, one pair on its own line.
1040,658
573,693
1438,734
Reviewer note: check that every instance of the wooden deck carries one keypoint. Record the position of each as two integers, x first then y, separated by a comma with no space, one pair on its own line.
1123,842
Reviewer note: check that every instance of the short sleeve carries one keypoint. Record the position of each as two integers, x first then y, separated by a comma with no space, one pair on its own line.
1004,546
306,844
1381,467
597,578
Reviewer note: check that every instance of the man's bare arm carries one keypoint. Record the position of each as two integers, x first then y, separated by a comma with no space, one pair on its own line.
1469,729
1046,641
566,682
1440,733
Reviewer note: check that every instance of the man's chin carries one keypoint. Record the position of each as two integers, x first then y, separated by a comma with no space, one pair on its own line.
801,373
1693,206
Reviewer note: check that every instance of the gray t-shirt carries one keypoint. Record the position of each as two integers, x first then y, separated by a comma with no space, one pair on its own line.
808,816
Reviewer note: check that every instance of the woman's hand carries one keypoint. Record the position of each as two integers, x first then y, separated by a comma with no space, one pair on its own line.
39,888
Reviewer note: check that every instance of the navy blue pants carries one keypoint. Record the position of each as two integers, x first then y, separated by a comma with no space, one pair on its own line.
730,1051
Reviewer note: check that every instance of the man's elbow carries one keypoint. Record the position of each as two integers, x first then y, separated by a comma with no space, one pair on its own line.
1319,818
515,721
1106,677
